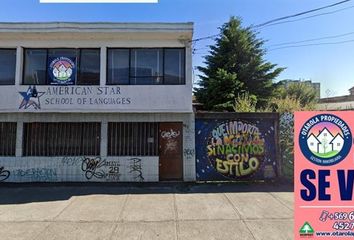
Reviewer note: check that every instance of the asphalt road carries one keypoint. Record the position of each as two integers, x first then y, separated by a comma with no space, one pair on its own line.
147,211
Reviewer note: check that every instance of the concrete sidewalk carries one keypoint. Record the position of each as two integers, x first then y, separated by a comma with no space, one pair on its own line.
184,212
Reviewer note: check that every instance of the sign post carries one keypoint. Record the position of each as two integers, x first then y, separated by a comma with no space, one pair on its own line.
324,175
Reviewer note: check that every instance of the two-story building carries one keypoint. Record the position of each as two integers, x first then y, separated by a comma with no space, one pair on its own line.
96,102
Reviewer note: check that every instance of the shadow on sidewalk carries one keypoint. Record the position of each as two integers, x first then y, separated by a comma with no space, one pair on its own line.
43,192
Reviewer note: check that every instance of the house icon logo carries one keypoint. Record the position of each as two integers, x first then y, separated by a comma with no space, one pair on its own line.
325,139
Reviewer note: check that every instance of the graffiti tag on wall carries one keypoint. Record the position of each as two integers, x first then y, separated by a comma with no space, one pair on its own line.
4,174
79,169
100,168
234,149
92,167
37,174
136,169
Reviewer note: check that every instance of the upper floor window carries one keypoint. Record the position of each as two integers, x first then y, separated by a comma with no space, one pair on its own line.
146,66
7,66
41,66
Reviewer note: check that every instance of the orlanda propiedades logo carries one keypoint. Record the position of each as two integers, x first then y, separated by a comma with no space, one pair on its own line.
62,69
325,139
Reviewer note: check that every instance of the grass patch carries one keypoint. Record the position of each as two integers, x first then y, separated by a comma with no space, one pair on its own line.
326,155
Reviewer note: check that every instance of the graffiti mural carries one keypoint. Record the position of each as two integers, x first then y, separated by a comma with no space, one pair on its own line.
286,136
235,149
4,174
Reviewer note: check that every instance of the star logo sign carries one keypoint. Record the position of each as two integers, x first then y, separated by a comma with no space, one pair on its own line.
31,98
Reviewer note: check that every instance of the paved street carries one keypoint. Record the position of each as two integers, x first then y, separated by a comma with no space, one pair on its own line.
166,211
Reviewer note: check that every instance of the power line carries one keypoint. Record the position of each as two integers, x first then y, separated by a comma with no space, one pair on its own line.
301,13
311,40
313,44
304,18
268,23
205,38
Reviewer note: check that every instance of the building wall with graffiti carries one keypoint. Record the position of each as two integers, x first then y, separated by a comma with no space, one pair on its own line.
236,147
79,169
102,167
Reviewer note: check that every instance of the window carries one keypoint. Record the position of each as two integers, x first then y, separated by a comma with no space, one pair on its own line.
7,139
36,65
133,139
338,144
7,66
174,66
325,134
118,66
89,72
61,139
146,66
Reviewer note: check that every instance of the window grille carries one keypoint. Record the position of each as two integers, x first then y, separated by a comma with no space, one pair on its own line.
61,139
7,139
133,139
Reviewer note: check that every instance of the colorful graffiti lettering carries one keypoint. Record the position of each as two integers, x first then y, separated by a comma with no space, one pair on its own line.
235,148
4,174
92,167
232,147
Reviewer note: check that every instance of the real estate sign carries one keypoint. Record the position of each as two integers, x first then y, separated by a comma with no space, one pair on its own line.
324,175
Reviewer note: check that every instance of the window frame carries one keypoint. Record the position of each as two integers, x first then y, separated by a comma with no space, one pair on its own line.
14,49
78,65
163,66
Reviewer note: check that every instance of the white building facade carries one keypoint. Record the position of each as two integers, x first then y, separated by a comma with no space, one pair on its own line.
100,102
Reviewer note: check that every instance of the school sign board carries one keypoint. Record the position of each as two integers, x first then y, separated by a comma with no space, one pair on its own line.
62,96
324,175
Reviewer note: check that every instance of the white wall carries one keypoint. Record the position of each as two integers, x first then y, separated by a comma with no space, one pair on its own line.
153,98
80,169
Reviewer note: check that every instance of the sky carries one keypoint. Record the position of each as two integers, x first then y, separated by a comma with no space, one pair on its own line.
332,65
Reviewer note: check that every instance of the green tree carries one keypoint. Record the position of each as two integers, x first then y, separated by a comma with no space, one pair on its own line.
235,65
245,103
294,97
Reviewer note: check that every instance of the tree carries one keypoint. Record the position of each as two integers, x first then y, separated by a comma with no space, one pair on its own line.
245,103
235,65
294,97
